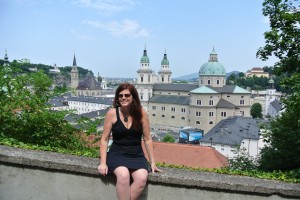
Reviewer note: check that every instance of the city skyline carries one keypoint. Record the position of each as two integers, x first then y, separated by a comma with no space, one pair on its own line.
108,37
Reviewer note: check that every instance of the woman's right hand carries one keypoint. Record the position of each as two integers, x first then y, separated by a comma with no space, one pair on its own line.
102,169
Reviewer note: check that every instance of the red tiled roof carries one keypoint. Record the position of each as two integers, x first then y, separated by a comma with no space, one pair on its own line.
182,154
188,155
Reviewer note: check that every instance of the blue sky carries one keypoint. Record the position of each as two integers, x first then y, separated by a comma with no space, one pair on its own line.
109,36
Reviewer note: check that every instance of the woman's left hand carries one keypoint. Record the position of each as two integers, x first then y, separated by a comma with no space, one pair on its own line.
154,168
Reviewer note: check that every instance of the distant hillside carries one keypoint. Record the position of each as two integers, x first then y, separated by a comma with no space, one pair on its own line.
195,76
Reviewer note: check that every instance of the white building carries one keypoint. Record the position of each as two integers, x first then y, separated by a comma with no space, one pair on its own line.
200,105
233,132
55,70
84,104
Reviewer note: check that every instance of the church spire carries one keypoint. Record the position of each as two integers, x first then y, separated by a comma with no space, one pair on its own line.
74,61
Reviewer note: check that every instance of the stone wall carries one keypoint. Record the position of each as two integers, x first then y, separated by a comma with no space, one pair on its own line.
28,174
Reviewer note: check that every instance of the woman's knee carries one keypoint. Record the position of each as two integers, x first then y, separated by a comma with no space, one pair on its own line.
122,174
140,176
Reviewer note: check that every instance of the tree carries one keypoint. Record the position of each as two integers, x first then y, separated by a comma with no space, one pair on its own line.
25,116
168,138
256,110
231,79
283,41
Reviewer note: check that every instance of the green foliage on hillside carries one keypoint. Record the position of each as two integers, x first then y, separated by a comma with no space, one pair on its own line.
26,67
255,83
26,118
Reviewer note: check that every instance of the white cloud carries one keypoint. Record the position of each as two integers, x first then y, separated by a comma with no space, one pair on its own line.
126,28
107,6
79,35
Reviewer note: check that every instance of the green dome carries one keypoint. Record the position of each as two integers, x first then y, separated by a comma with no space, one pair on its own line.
145,58
212,67
165,60
271,81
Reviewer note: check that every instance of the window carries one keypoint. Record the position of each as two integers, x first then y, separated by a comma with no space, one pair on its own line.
242,102
199,102
183,110
153,107
183,118
163,108
223,114
211,122
208,82
197,122
141,97
211,102
173,109
218,82
173,117
142,79
198,114
211,114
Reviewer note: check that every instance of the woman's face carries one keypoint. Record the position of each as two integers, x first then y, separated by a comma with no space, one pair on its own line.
125,98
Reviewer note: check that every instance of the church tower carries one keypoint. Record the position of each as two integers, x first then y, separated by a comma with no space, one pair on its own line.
164,73
74,75
270,95
146,79
6,62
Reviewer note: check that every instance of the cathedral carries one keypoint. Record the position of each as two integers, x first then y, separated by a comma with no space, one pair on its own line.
200,105
89,86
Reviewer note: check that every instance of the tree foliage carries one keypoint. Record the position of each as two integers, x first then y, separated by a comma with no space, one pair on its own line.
24,113
256,110
255,83
242,161
168,138
283,40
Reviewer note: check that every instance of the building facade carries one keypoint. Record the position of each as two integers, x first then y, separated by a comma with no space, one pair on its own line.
200,105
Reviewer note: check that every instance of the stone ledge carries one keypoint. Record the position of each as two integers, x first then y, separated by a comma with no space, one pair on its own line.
170,176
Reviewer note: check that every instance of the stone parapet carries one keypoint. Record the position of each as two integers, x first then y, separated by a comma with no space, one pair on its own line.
79,174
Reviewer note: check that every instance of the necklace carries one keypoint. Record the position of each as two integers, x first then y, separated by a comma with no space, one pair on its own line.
125,117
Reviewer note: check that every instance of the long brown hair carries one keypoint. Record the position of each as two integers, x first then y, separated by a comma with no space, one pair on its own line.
136,107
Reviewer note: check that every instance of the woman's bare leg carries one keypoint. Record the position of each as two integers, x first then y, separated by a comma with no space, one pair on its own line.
139,177
123,183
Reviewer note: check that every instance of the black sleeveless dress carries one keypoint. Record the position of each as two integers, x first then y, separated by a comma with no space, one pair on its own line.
126,149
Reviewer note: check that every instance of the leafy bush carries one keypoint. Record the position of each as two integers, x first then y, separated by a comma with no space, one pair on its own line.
168,138
25,116
242,161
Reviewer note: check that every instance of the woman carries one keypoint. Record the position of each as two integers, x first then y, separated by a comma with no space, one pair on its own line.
129,123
